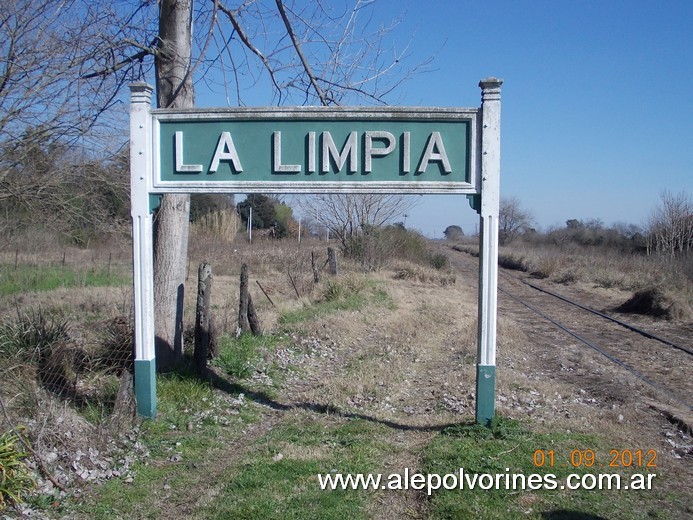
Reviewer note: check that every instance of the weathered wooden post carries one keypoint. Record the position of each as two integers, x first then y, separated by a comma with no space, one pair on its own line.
314,267
253,320
247,317
332,261
203,318
243,323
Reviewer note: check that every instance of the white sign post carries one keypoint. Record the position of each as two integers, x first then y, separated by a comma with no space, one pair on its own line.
400,150
488,250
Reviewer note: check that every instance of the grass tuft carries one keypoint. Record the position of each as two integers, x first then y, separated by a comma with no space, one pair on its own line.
31,334
241,357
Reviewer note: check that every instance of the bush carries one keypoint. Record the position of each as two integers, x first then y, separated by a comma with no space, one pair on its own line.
15,480
342,288
376,247
31,335
511,260
439,261
409,271
653,301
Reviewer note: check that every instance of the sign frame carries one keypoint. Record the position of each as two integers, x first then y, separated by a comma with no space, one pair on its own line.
355,115
481,184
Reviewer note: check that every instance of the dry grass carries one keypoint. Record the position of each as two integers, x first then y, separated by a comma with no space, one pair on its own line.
417,273
408,362
608,269
216,226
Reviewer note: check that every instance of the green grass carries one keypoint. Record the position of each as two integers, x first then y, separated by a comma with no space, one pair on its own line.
15,478
508,448
321,309
278,478
27,278
192,426
240,357
275,477
343,294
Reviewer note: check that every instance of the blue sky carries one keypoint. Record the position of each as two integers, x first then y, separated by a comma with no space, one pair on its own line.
597,101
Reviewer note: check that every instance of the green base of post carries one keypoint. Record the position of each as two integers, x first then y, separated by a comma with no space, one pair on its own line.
485,393
145,387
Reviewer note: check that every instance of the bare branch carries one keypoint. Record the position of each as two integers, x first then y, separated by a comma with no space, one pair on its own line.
139,56
299,51
246,41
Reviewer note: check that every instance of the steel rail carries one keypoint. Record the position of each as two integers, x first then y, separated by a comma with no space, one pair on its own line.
597,348
643,332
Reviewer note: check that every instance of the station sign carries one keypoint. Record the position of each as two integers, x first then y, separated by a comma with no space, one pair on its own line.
388,150
311,150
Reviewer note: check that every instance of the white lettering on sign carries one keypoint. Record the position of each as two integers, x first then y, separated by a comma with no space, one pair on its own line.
277,165
311,152
435,142
180,165
226,151
349,151
370,150
406,151
377,144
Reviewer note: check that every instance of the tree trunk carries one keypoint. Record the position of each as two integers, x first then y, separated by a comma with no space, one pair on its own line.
174,90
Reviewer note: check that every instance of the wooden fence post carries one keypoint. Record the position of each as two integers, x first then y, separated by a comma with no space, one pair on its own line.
247,317
253,320
243,323
314,267
203,318
332,260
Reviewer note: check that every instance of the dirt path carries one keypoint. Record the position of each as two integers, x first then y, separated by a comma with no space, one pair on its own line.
579,388
411,367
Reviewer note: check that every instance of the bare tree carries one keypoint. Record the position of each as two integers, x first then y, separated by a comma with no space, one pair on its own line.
345,215
670,226
307,58
65,62
512,220
175,89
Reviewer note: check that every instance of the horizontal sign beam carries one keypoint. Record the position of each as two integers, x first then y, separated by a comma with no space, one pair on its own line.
315,150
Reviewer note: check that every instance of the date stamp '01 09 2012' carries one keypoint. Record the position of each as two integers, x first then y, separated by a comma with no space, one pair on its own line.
588,458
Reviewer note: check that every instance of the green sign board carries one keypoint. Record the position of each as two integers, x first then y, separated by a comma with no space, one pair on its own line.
309,150
387,150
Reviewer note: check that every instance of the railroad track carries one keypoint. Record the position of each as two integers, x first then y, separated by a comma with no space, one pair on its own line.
660,363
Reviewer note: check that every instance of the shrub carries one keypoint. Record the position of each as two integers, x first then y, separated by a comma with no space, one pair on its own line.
409,271
375,247
117,350
653,301
510,260
31,334
342,288
546,266
439,261
15,480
